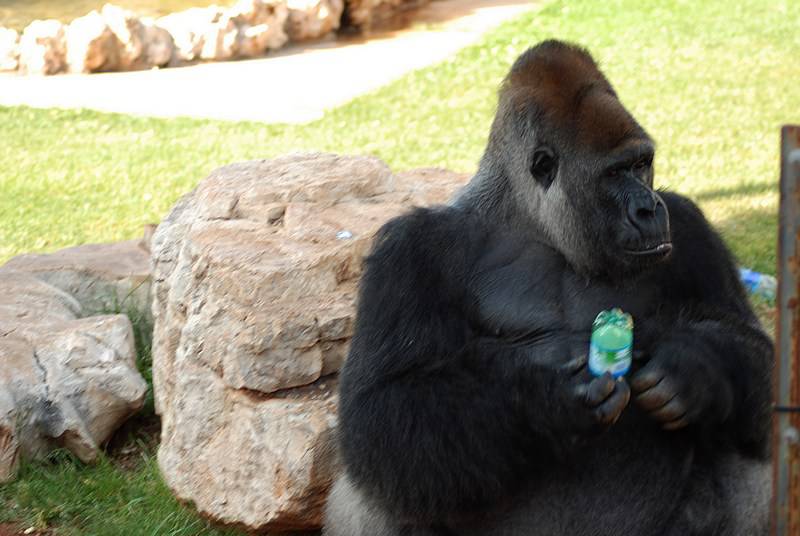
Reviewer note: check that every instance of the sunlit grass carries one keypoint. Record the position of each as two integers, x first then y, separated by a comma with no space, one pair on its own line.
711,81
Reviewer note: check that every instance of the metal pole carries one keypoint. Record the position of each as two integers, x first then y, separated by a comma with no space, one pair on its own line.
786,424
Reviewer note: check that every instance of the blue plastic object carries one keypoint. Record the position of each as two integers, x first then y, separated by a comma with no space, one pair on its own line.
763,285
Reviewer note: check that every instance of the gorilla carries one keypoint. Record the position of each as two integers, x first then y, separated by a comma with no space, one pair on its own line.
466,405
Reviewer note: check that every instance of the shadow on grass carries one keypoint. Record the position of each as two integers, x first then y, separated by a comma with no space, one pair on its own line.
752,235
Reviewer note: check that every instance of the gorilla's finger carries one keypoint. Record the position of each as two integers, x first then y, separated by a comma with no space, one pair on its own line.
646,378
640,356
609,411
599,389
575,365
672,411
657,396
677,424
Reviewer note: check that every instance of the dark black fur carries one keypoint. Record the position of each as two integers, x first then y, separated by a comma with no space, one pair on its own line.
466,407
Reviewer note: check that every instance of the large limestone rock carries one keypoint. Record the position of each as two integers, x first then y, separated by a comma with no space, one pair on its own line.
101,277
65,381
312,19
9,49
42,48
255,276
91,45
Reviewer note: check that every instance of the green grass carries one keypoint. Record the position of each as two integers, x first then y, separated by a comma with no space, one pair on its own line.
711,81
102,500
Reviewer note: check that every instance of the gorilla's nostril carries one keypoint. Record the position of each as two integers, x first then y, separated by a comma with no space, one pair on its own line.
643,208
644,213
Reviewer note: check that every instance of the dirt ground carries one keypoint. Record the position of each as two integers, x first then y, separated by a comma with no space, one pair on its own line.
9,529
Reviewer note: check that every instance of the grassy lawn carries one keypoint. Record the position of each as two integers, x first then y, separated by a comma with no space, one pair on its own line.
711,81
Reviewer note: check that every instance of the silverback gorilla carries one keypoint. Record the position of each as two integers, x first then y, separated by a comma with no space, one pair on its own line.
466,405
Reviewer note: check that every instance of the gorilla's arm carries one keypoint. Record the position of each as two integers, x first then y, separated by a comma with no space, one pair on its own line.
711,361
437,419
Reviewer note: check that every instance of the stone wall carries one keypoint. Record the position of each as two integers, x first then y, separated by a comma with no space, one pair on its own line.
114,39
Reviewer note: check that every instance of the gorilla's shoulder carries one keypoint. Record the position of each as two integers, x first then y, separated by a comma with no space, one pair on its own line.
680,206
701,262
433,232
424,221
426,250
688,224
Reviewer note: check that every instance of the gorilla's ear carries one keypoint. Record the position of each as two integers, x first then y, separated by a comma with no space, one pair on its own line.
544,166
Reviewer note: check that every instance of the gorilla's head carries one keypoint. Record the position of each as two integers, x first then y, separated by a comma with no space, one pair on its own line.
566,159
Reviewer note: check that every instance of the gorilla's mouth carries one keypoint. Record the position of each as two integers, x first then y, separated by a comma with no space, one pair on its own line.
661,250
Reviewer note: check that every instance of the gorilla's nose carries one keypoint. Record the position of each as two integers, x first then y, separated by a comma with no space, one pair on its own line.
646,212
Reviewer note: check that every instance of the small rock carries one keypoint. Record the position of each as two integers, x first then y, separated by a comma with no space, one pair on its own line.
260,24
101,277
143,45
9,49
159,47
312,19
65,381
220,39
188,29
363,14
91,45
255,40
42,48
129,31
255,12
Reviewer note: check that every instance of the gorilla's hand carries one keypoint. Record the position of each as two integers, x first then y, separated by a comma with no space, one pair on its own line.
682,385
592,404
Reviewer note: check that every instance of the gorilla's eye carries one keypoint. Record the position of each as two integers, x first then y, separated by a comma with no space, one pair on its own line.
543,167
641,164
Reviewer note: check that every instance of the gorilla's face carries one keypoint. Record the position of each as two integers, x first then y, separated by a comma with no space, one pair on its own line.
599,208
579,164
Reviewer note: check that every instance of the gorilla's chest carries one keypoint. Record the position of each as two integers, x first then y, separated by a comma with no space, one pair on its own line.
531,292
581,300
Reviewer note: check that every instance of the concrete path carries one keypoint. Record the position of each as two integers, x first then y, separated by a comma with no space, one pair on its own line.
294,85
